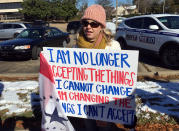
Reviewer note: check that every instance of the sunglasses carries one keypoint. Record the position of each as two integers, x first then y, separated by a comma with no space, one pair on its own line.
92,24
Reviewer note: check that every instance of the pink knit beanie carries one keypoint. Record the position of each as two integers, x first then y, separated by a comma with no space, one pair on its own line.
96,13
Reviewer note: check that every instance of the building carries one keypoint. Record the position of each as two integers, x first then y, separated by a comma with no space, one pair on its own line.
126,10
9,9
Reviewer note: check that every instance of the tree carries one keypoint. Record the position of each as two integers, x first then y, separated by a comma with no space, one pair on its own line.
170,6
176,6
52,9
56,9
155,7
148,6
107,4
69,9
82,7
35,9
142,5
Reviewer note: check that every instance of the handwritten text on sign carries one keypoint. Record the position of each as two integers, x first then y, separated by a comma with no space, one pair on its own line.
95,84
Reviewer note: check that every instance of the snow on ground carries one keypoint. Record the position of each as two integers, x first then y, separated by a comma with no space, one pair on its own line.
16,96
156,97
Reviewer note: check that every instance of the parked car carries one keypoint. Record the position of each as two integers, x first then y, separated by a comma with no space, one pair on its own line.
157,33
30,41
73,27
119,19
39,23
11,30
112,27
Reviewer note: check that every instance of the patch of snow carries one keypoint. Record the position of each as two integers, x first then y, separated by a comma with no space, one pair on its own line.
159,97
10,99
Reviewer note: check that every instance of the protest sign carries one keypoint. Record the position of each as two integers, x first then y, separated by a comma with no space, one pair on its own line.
95,84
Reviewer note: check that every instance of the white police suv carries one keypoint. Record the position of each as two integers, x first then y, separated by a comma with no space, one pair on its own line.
158,33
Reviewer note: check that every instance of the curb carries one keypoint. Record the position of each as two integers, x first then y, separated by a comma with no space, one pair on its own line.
18,76
141,75
165,75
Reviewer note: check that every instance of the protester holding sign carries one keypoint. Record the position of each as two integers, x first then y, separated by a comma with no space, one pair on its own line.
94,35
88,81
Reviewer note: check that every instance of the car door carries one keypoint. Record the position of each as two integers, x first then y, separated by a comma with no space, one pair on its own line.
133,31
1,30
6,31
18,28
58,37
50,40
148,38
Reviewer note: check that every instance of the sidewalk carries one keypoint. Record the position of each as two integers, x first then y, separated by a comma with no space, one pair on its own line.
141,75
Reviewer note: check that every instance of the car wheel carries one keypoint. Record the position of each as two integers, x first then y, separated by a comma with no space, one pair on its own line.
36,52
72,31
15,35
65,44
122,43
170,56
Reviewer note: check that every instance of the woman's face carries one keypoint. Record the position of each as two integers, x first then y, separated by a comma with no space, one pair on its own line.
91,29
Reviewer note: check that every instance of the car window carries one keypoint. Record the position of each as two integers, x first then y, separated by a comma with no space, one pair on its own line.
1,26
24,34
49,33
74,24
78,23
17,26
171,22
7,26
56,32
149,21
134,23
32,33
27,25
35,34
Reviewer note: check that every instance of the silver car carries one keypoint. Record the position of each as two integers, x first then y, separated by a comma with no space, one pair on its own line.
11,30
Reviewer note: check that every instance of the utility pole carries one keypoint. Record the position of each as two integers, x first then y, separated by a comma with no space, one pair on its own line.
116,11
163,6
138,4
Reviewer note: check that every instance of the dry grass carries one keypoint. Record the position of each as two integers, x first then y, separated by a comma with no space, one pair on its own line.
23,96
61,26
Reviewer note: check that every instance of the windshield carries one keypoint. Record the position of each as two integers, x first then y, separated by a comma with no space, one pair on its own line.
30,33
27,25
171,22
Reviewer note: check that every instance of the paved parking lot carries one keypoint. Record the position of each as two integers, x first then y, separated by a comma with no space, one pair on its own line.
29,69
148,66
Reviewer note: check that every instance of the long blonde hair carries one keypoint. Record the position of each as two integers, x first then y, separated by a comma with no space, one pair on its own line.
109,36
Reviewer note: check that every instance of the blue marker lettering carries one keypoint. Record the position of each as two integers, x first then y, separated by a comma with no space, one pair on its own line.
123,60
58,87
51,58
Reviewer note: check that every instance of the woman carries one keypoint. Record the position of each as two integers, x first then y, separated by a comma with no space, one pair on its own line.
93,34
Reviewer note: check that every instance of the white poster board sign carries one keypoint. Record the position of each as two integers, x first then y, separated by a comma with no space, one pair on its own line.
95,84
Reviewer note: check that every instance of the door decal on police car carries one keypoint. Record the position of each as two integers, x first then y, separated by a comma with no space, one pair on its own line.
131,37
146,39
